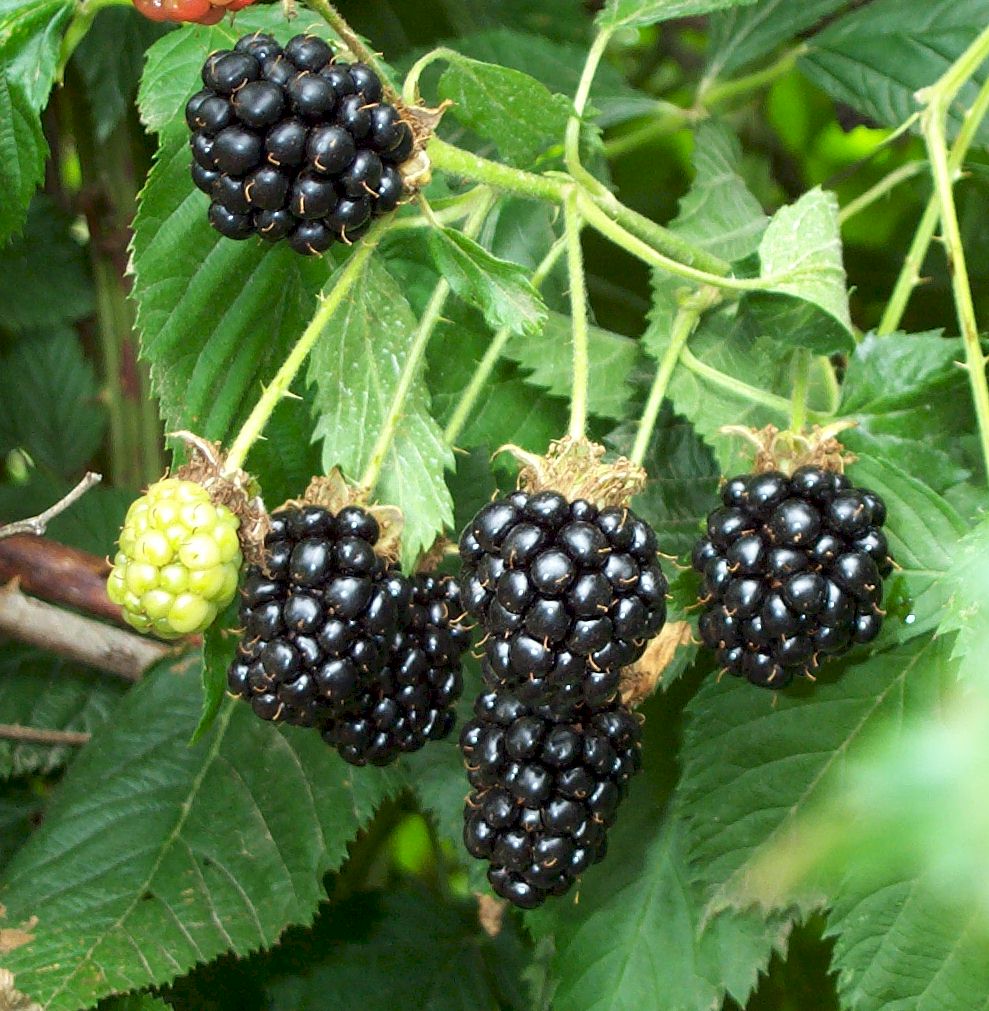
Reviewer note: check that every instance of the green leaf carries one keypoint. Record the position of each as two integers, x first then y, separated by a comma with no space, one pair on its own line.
638,938
966,610
356,367
47,693
175,62
497,288
21,811
637,13
210,355
806,301
876,57
719,213
380,956
923,530
48,388
23,151
219,646
548,361
754,764
287,457
195,850
742,35
46,249
511,109
135,1002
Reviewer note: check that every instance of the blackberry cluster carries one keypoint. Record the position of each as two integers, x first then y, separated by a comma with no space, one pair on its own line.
567,594
290,144
546,786
793,568
411,701
318,618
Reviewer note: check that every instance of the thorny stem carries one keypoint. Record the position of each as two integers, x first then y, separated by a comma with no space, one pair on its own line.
909,276
683,326
885,185
413,364
350,38
801,380
37,525
572,139
937,146
460,417
732,385
348,276
578,313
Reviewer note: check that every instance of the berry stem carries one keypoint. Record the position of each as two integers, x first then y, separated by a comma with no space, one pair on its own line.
684,324
353,41
885,185
482,374
801,380
413,363
329,303
574,123
578,312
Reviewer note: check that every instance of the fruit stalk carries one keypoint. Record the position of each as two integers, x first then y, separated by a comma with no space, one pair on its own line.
801,380
578,312
351,39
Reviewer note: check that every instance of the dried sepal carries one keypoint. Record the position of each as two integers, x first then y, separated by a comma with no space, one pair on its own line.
642,678
785,451
576,468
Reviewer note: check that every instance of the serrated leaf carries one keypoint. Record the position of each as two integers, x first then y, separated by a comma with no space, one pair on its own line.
876,57
356,367
391,961
163,877
805,303
967,604
638,13
45,249
23,151
135,1002
511,109
219,646
744,34
175,62
753,763
499,289
44,692
548,361
719,213
210,356
638,939
48,388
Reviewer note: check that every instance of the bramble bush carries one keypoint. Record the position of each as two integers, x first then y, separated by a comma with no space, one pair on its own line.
634,344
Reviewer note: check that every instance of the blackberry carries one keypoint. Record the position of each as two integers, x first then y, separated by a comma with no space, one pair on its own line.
318,617
203,12
412,700
291,144
793,570
567,594
546,785
178,561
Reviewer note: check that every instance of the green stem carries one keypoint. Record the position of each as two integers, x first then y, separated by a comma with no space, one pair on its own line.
937,147
574,123
349,275
78,27
710,94
410,89
683,326
801,379
909,276
885,185
458,421
351,39
670,119
732,385
413,363
578,314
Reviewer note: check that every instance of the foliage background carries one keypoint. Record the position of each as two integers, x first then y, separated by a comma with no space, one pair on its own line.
141,876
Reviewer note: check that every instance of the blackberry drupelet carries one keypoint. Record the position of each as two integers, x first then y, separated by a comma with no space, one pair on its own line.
290,144
793,570
203,12
547,782
412,700
567,594
318,617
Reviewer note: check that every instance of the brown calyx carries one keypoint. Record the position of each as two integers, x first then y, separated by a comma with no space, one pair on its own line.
333,493
576,468
235,489
642,678
786,451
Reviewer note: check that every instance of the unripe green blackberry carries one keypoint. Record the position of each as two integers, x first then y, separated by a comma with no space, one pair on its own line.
178,561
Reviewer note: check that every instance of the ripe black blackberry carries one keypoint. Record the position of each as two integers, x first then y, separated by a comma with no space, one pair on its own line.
289,143
546,782
567,594
793,570
318,617
412,700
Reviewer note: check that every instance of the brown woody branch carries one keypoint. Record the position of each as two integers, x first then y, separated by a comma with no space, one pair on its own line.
37,525
90,642
41,735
